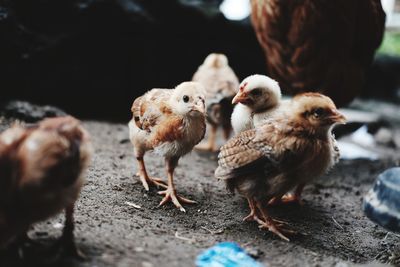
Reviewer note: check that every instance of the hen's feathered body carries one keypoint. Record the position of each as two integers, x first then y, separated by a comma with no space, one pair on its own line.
320,45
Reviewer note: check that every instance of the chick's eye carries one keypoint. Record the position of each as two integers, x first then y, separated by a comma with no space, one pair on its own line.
256,92
318,112
185,98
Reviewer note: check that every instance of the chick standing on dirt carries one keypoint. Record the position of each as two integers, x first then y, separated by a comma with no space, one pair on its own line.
171,122
258,98
287,151
41,174
221,85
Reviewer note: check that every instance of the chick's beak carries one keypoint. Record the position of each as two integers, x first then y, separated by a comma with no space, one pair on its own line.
337,117
199,106
240,98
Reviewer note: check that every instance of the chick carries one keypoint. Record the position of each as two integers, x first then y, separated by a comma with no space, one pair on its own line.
286,151
41,170
170,122
258,98
221,85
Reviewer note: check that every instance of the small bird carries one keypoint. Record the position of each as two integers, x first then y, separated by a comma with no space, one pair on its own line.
41,170
221,85
258,98
289,150
170,122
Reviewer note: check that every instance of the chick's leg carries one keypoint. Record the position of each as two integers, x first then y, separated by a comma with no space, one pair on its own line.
227,131
294,198
211,144
289,198
19,247
274,226
253,211
144,177
170,192
66,244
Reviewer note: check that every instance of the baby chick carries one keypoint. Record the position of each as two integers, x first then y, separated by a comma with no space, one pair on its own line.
221,85
258,97
171,122
286,151
41,174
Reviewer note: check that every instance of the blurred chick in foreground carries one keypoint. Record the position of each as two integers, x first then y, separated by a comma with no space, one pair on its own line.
171,122
287,151
221,85
41,170
258,98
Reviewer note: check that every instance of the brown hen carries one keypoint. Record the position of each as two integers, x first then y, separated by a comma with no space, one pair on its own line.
321,44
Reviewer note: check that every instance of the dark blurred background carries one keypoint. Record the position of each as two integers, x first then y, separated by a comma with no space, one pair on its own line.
93,57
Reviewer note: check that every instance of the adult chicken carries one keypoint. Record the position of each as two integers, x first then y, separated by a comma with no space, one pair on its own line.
321,44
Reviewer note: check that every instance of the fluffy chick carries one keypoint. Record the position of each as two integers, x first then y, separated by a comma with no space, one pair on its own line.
221,85
41,171
258,98
171,122
285,152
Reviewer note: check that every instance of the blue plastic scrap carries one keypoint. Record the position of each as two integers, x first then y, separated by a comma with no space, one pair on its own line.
382,202
226,254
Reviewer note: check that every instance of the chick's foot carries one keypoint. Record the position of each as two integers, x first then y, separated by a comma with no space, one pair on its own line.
170,195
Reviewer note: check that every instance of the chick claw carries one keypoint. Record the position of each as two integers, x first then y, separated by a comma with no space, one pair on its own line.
286,199
206,147
159,183
170,195
276,230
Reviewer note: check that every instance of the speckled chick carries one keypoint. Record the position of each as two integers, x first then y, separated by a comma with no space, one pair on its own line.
170,122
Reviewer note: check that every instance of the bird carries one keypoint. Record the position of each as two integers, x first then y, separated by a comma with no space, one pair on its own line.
221,84
286,152
258,98
42,168
321,44
169,122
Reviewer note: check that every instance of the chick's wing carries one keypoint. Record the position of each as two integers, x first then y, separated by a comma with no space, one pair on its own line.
247,153
150,108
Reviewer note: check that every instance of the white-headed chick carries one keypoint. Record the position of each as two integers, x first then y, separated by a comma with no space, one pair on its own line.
258,98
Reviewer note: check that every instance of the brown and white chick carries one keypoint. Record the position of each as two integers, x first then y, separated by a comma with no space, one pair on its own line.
287,151
170,122
41,170
258,98
221,86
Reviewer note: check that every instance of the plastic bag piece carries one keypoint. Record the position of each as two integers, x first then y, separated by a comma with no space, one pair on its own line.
226,254
382,202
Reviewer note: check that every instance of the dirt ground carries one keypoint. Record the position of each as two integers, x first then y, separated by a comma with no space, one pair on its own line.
333,230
